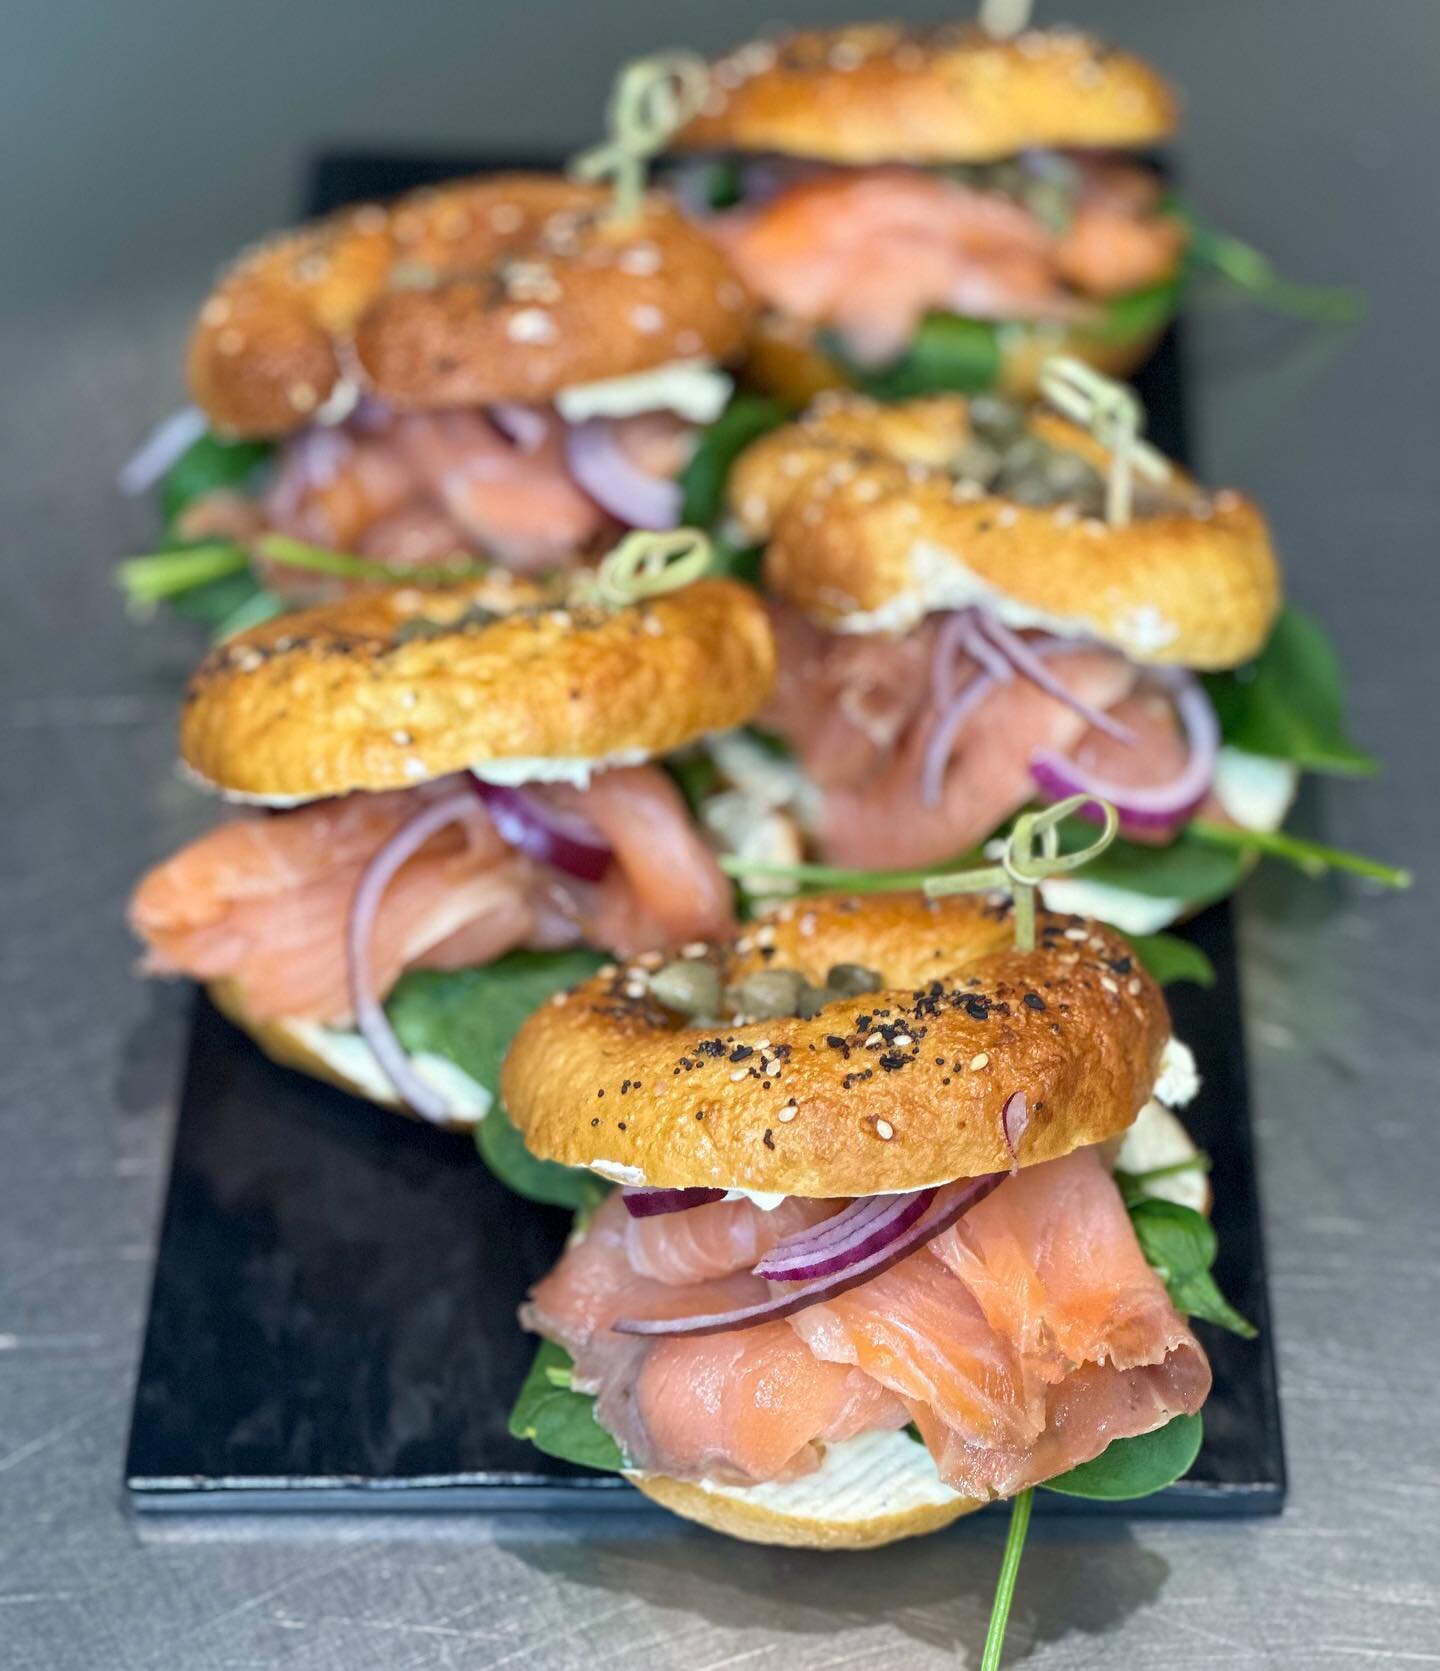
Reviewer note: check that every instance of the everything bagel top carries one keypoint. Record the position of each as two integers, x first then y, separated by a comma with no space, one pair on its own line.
508,287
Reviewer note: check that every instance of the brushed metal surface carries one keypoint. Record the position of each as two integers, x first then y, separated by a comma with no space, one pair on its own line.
1312,126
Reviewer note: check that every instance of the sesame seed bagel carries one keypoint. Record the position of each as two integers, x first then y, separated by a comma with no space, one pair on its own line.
503,288
869,529
881,92
899,1089
391,687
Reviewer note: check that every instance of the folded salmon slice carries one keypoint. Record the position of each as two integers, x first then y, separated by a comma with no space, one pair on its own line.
1021,1342
264,900
716,1240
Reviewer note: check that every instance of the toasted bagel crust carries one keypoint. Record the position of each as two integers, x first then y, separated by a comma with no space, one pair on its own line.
861,512
347,697
895,1090
873,93
507,287
756,1522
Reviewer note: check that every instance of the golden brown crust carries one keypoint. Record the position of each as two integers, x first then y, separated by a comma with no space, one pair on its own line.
759,1523
881,92
505,287
282,1042
862,515
349,696
965,1019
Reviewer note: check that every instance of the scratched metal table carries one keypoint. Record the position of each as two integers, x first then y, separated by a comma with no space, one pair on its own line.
1313,124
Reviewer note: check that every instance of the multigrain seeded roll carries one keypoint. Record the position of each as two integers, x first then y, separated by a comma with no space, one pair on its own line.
393,687
896,1089
870,524
504,288
884,92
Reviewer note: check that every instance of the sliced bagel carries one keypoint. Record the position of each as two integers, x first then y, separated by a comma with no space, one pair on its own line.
392,687
508,287
341,1057
898,1089
882,92
870,526
870,1490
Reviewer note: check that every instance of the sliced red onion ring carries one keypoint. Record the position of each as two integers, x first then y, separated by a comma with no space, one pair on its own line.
1014,1117
1027,662
370,415
370,1015
615,482
526,426
863,1228
951,1203
170,438
940,744
1149,807
650,1203
562,839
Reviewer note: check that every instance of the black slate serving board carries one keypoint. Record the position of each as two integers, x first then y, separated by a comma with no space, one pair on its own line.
332,1322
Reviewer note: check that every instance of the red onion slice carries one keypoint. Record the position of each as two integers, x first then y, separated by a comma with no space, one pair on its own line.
161,448
562,839
650,1203
1151,807
940,744
864,1228
951,1204
1014,1117
526,426
370,1017
615,482
1027,662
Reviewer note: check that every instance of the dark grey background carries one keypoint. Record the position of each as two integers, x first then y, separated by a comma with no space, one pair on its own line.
140,146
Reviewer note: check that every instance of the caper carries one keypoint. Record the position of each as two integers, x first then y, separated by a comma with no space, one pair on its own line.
1051,203
769,993
690,987
996,419
812,1000
849,980
1070,476
976,461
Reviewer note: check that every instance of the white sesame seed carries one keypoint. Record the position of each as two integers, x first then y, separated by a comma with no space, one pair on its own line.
874,1041
402,739
1007,516
607,971
530,325
807,924
414,768
981,1060
639,259
902,1039
737,1075
647,318
1076,934
216,311
1108,984
1133,987
787,1113
884,1130
408,698
696,948
765,935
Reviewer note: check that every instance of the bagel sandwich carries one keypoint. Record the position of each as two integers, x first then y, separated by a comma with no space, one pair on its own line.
449,805
962,628
938,208
877,1255
499,368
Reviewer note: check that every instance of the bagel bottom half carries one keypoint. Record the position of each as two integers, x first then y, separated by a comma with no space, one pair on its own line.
786,361
343,1059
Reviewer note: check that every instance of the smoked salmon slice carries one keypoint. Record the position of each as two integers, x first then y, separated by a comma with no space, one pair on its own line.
264,900
1021,1341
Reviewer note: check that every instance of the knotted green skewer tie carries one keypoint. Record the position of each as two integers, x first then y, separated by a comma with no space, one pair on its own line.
1114,416
1021,869
653,98
646,565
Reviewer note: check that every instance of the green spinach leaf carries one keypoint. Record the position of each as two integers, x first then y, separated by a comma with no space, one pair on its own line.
702,481
1288,703
1169,958
947,352
1186,868
1137,1467
558,1420
1179,1245
206,466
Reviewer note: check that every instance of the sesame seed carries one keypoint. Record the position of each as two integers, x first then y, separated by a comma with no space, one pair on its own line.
874,1041
787,1113
981,1060
639,259
1108,984
216,311
414,768
884,1130
737,1075
1133,987
402,739
647,318
902,1039
688,342
1076,934
230,342
696,948
530,325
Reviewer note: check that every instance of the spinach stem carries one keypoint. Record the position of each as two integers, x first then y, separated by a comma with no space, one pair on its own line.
1005,1584
1309,856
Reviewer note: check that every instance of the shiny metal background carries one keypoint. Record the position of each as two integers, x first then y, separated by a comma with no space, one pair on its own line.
141,146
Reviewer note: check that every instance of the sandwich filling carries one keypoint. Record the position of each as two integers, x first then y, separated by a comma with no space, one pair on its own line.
1019,1341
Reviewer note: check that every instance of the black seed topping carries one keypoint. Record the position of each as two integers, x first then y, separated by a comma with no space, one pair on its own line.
1034,1001
768,1139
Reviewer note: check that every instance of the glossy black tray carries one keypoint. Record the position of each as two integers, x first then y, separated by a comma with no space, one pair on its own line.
332,1322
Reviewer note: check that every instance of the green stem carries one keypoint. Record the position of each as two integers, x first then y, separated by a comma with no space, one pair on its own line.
829,876
1250,271
165,574
280,549
1192,1163
1005,1584
1309,856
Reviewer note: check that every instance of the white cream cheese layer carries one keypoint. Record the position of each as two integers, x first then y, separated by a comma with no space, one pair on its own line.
1179,1077
693,389
349,1055
540,768
1157,1139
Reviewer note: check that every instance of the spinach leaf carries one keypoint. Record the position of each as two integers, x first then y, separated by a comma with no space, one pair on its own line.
206,466
1169,958
1186,868
470,1016
558,1420
1179,1245
228,603
1137,1467
1138,313
947,352
702,482
1288,702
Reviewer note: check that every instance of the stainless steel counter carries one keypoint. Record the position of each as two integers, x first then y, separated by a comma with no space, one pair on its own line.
1314,127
